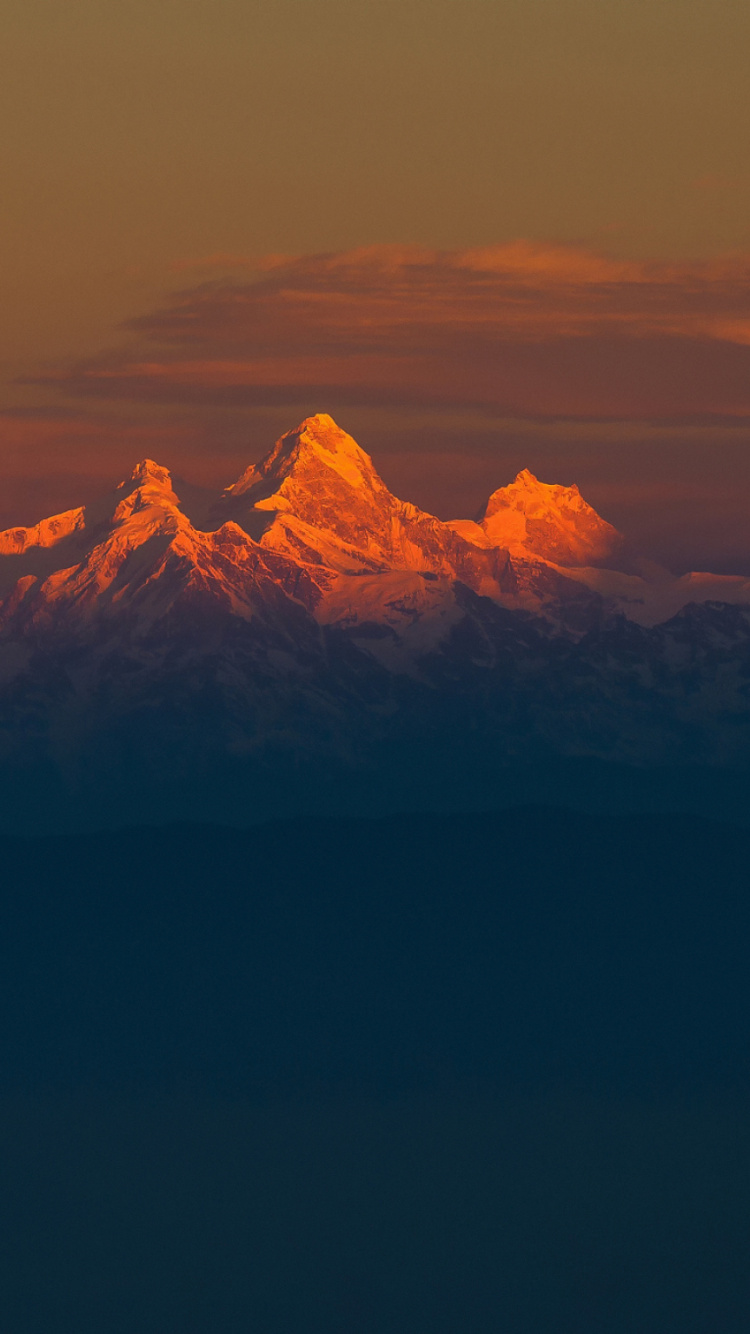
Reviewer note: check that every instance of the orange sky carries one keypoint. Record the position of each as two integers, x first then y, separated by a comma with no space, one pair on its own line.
160,150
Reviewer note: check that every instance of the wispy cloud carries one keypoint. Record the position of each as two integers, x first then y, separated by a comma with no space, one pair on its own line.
455,368
521,330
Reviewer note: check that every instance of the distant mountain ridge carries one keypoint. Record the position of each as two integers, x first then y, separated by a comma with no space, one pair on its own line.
317,500
309,617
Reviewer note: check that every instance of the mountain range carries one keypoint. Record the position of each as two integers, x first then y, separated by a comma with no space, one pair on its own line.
306,637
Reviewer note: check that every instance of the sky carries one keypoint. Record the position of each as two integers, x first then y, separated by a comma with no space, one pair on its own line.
483,235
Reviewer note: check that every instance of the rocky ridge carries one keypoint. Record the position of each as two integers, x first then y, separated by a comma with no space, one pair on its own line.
315,517
309,616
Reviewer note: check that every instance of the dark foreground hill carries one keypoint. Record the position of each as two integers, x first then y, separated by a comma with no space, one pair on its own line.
429,1074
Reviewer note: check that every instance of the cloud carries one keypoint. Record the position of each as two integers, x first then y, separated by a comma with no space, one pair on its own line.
521,330
454,368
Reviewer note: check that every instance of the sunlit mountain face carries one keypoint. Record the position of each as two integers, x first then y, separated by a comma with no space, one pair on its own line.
304,639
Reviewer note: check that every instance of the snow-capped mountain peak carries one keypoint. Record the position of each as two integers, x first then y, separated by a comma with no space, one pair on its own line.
533,518
316,445
317,498
149,486
346,618
148,473
312,518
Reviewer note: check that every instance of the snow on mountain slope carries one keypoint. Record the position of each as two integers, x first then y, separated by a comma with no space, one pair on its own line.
554,525
138,551
47,533
533,519
657,598
318,498
313,522
315,624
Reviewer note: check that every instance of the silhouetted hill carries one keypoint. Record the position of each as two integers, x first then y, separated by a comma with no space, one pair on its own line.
406,953
478,1073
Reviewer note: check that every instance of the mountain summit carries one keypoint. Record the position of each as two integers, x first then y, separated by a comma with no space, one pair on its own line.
313,624
530,517
315,447
315,515
317,498
315,481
